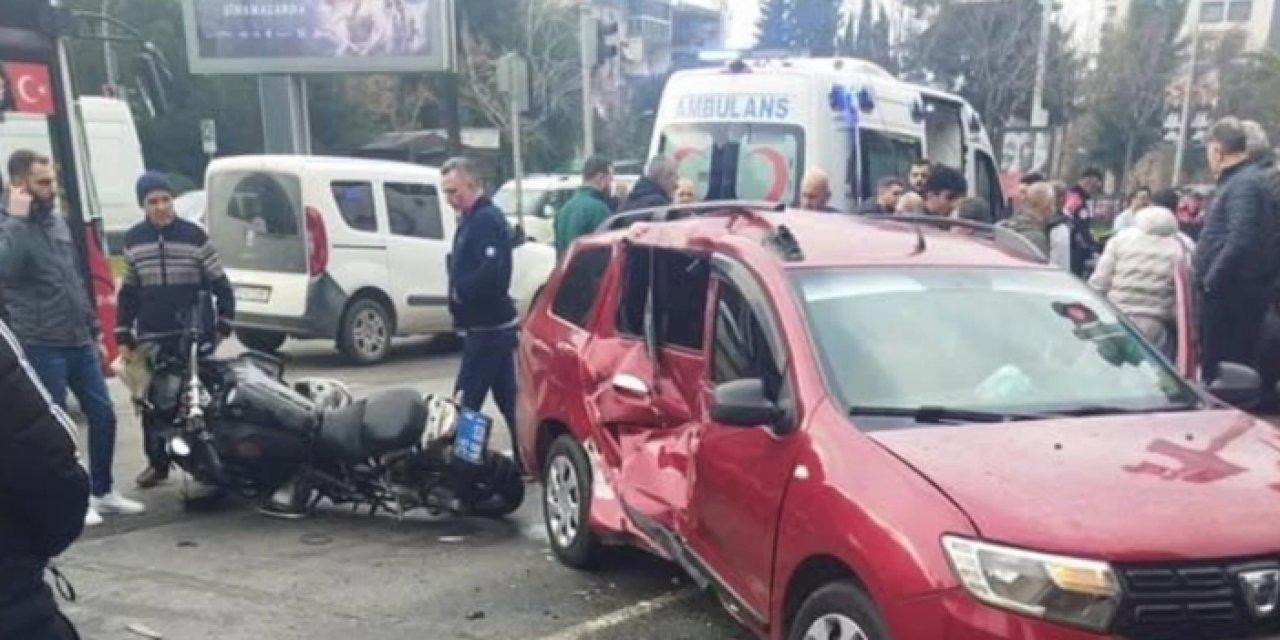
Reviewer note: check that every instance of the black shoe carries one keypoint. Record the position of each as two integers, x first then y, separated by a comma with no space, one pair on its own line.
151,476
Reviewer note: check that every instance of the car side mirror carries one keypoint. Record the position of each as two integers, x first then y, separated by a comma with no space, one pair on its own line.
743,403
548,211
519,237
1238,386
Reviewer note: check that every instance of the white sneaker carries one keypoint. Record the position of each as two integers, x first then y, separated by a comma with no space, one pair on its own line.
92,518
115,503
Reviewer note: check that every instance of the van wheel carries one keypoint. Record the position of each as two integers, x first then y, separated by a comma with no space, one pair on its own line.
259,340
365,335
838,610
566,504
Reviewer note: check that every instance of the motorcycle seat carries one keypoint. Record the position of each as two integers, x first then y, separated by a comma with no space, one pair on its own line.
375,425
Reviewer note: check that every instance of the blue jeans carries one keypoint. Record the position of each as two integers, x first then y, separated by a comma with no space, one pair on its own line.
489,364
80,369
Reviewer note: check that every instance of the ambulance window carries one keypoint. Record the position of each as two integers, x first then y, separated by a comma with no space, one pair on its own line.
988,184
883,155
747,161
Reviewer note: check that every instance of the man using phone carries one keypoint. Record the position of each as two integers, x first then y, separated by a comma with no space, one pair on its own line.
49,310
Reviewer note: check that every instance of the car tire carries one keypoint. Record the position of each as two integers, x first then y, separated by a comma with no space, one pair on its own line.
261,340
364,336
566,504
837,610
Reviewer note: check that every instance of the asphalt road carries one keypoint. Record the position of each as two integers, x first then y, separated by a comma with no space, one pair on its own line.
232,574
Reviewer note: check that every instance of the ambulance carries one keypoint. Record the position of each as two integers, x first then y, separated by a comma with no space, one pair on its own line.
750,130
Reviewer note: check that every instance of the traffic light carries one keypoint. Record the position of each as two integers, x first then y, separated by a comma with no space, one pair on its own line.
606,42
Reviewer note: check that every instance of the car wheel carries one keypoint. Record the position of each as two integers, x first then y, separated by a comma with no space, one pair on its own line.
839,610
259,340
566,503
365,336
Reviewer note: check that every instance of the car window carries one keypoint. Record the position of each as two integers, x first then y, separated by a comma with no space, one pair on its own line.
745,161
413,210
988,187
680,282
993,340
255,220
740,348
580,285
355,202
885,155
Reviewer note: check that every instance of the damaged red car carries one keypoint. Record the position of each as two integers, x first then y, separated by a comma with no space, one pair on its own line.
865,429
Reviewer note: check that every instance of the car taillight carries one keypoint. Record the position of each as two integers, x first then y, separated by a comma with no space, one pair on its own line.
318,238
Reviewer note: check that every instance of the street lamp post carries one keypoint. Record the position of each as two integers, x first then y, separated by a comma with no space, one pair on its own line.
1185,121
1040,115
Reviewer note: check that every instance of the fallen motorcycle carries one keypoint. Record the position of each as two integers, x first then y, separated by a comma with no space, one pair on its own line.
236,425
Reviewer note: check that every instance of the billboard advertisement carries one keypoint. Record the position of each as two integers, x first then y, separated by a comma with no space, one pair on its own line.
319,36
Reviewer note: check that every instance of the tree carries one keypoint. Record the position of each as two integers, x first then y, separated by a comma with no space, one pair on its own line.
987,53
1142,59
799,25
775,26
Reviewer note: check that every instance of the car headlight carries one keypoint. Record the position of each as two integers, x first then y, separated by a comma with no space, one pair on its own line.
1078,592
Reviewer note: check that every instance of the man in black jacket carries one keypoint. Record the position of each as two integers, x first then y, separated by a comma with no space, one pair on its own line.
44,494
49,310
479,295
1235,260
656,188
168,261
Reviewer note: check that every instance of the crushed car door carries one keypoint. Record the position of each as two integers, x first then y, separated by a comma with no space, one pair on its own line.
742,471
644,384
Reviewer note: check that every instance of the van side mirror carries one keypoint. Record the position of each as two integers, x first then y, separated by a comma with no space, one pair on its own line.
548,211
743,403
1238,386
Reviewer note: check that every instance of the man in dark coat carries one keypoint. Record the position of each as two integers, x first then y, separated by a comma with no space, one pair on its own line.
888,191
479,295
1235,260
44,495
656,188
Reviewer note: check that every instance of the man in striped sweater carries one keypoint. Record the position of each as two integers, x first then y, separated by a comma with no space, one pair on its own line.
169,262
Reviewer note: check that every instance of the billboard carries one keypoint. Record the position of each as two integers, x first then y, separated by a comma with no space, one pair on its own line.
319,36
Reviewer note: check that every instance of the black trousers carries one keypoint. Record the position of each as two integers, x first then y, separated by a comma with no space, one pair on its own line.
489,365
1230,326
56,628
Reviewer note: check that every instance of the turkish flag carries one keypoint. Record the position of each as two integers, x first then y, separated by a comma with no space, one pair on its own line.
30,87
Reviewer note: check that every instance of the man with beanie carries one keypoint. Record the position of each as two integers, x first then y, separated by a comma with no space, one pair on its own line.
49,310
168,261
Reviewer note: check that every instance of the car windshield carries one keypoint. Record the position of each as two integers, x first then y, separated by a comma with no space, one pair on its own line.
505,198
990,342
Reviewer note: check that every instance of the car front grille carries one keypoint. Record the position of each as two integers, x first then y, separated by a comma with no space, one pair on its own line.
1192,601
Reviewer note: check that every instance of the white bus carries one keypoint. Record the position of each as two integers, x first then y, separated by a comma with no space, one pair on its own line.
749,130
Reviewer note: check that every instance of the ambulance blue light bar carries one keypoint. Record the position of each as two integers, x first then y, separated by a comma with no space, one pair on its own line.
844,99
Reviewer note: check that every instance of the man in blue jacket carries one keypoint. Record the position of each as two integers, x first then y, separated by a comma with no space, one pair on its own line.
479,299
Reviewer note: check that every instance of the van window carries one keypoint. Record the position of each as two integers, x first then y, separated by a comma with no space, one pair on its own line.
255,220
988,184
680,283
885,155
355,201
580,286
743,161
413,210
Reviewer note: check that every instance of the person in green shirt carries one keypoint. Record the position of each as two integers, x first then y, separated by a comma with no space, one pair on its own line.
588,208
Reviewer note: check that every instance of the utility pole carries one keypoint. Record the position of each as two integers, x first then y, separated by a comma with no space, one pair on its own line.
589,56
1185,122
108,56
1040,115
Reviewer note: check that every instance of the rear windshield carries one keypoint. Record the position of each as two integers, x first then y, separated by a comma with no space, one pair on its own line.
738,160
255,221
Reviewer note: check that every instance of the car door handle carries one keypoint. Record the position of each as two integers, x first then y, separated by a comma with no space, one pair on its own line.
628,383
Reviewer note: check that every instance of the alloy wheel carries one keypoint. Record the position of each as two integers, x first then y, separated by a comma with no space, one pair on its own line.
564,502
835,626
369,333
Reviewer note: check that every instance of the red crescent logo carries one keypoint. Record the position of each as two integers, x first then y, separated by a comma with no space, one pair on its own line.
778,162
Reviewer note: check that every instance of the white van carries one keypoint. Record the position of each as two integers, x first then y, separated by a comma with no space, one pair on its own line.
751,129
343,249
115,156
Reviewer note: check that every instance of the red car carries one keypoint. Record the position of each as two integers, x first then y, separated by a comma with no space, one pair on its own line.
886,428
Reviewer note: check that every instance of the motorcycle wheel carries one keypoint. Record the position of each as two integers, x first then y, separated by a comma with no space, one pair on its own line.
502,488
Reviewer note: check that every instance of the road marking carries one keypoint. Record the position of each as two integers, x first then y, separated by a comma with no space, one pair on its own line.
622,616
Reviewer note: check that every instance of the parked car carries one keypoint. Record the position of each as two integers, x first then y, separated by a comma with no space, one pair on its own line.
191,206
343,249
543,198
875,428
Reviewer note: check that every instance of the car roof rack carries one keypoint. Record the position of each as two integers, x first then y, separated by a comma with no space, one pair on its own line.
668,213
1003,237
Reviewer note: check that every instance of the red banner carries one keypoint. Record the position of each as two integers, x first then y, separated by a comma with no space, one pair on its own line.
26,88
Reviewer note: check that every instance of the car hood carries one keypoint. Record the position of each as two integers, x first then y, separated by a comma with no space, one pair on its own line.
1130,488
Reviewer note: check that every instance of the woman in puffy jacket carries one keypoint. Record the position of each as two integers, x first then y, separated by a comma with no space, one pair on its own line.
1136,273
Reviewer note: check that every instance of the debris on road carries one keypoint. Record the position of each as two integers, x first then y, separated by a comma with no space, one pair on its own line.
144,631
